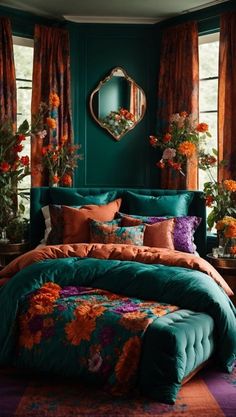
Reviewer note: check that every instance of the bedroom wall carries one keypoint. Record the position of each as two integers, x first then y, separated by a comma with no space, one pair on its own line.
95,50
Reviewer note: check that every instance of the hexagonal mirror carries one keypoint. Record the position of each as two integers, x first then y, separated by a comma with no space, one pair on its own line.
118,104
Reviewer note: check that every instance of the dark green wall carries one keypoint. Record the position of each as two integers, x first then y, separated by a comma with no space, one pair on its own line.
95,51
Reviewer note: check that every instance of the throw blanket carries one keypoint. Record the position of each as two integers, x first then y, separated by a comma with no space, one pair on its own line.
106,329
142,275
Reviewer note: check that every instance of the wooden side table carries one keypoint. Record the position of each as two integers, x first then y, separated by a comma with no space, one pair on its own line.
9,251
227,268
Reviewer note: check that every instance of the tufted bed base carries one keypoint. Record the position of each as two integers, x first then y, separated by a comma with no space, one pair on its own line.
182,343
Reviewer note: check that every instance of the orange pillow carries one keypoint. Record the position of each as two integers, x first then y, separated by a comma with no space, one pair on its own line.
158,235
76,223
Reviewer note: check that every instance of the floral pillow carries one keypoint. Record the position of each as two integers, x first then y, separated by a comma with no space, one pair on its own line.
111,233
183,232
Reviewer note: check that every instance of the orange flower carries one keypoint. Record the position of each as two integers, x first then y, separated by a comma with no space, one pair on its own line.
187,148
54,100
78,330
202,127
66,180
89,310
183,114
55,179
233,250
52,124
135,321
230,231
64,139
230,185
127,364
167,137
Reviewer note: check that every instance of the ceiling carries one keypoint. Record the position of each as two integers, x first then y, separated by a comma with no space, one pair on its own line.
110,11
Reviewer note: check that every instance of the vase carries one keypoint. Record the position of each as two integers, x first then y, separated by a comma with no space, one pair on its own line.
230,247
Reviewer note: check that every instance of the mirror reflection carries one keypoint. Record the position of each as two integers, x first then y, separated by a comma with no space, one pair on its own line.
118,104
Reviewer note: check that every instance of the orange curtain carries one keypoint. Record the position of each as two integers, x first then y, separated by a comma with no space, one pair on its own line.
7,73
51,73
227,96
178,90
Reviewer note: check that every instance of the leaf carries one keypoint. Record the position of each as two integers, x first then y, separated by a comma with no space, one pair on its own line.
211,219
214,151
24,127
208,134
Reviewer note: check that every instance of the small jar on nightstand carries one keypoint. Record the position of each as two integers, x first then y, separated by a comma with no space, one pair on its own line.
227,268
9,251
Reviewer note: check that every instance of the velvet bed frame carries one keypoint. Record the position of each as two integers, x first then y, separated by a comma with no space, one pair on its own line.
42,196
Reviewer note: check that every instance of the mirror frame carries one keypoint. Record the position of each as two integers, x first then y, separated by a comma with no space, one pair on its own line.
101,83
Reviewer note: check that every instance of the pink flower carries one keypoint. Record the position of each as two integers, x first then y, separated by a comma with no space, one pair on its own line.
169,153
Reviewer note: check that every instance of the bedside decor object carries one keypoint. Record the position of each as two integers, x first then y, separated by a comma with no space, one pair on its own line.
226,229
9,251
118,104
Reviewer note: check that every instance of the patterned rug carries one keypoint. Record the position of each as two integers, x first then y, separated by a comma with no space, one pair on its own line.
208,394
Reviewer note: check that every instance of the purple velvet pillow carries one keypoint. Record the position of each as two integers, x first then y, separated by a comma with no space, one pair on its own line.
184,229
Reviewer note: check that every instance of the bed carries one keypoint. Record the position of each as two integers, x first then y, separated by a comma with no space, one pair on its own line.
111,294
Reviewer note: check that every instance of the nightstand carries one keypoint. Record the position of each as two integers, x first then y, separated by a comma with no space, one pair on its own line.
227,268
9,251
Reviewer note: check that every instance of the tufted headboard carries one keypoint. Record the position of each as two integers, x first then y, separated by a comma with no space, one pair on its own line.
42,196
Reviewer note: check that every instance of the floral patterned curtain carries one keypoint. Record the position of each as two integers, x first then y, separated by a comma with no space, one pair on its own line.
227,96
7,73
51,73
178,90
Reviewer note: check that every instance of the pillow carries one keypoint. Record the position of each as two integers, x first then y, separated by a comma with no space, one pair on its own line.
158,235
54,225
105,233
70,197
183,232
76,221
164,205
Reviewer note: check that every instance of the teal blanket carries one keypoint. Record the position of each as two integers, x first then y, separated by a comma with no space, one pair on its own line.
176,286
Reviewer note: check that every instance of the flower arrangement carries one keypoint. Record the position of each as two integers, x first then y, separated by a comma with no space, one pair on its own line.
59,157
119,121
180,142
226,227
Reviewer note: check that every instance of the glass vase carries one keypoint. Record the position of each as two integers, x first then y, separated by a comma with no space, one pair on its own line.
230,247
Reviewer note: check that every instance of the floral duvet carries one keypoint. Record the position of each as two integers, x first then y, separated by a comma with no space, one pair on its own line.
84,311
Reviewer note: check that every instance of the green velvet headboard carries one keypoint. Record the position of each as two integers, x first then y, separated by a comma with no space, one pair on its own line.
42,196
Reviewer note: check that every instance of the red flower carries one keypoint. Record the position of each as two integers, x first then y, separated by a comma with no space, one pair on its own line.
167,137
18,148
209,200
55,179
25,160
202,127
153,140
160,164
66,180
4,166
20,137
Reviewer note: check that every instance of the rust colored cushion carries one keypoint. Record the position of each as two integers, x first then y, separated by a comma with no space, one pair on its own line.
76,221
159,235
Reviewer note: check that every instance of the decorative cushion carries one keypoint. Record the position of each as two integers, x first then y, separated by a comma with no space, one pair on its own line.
76,223
183,231
159,235
111,233
165,205
54,224
69,197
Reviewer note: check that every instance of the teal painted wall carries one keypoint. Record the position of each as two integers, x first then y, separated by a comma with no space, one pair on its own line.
95,51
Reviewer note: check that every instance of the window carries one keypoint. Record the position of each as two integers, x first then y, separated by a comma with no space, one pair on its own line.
208,92
23,57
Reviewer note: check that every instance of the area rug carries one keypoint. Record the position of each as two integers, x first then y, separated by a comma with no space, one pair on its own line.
208,394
